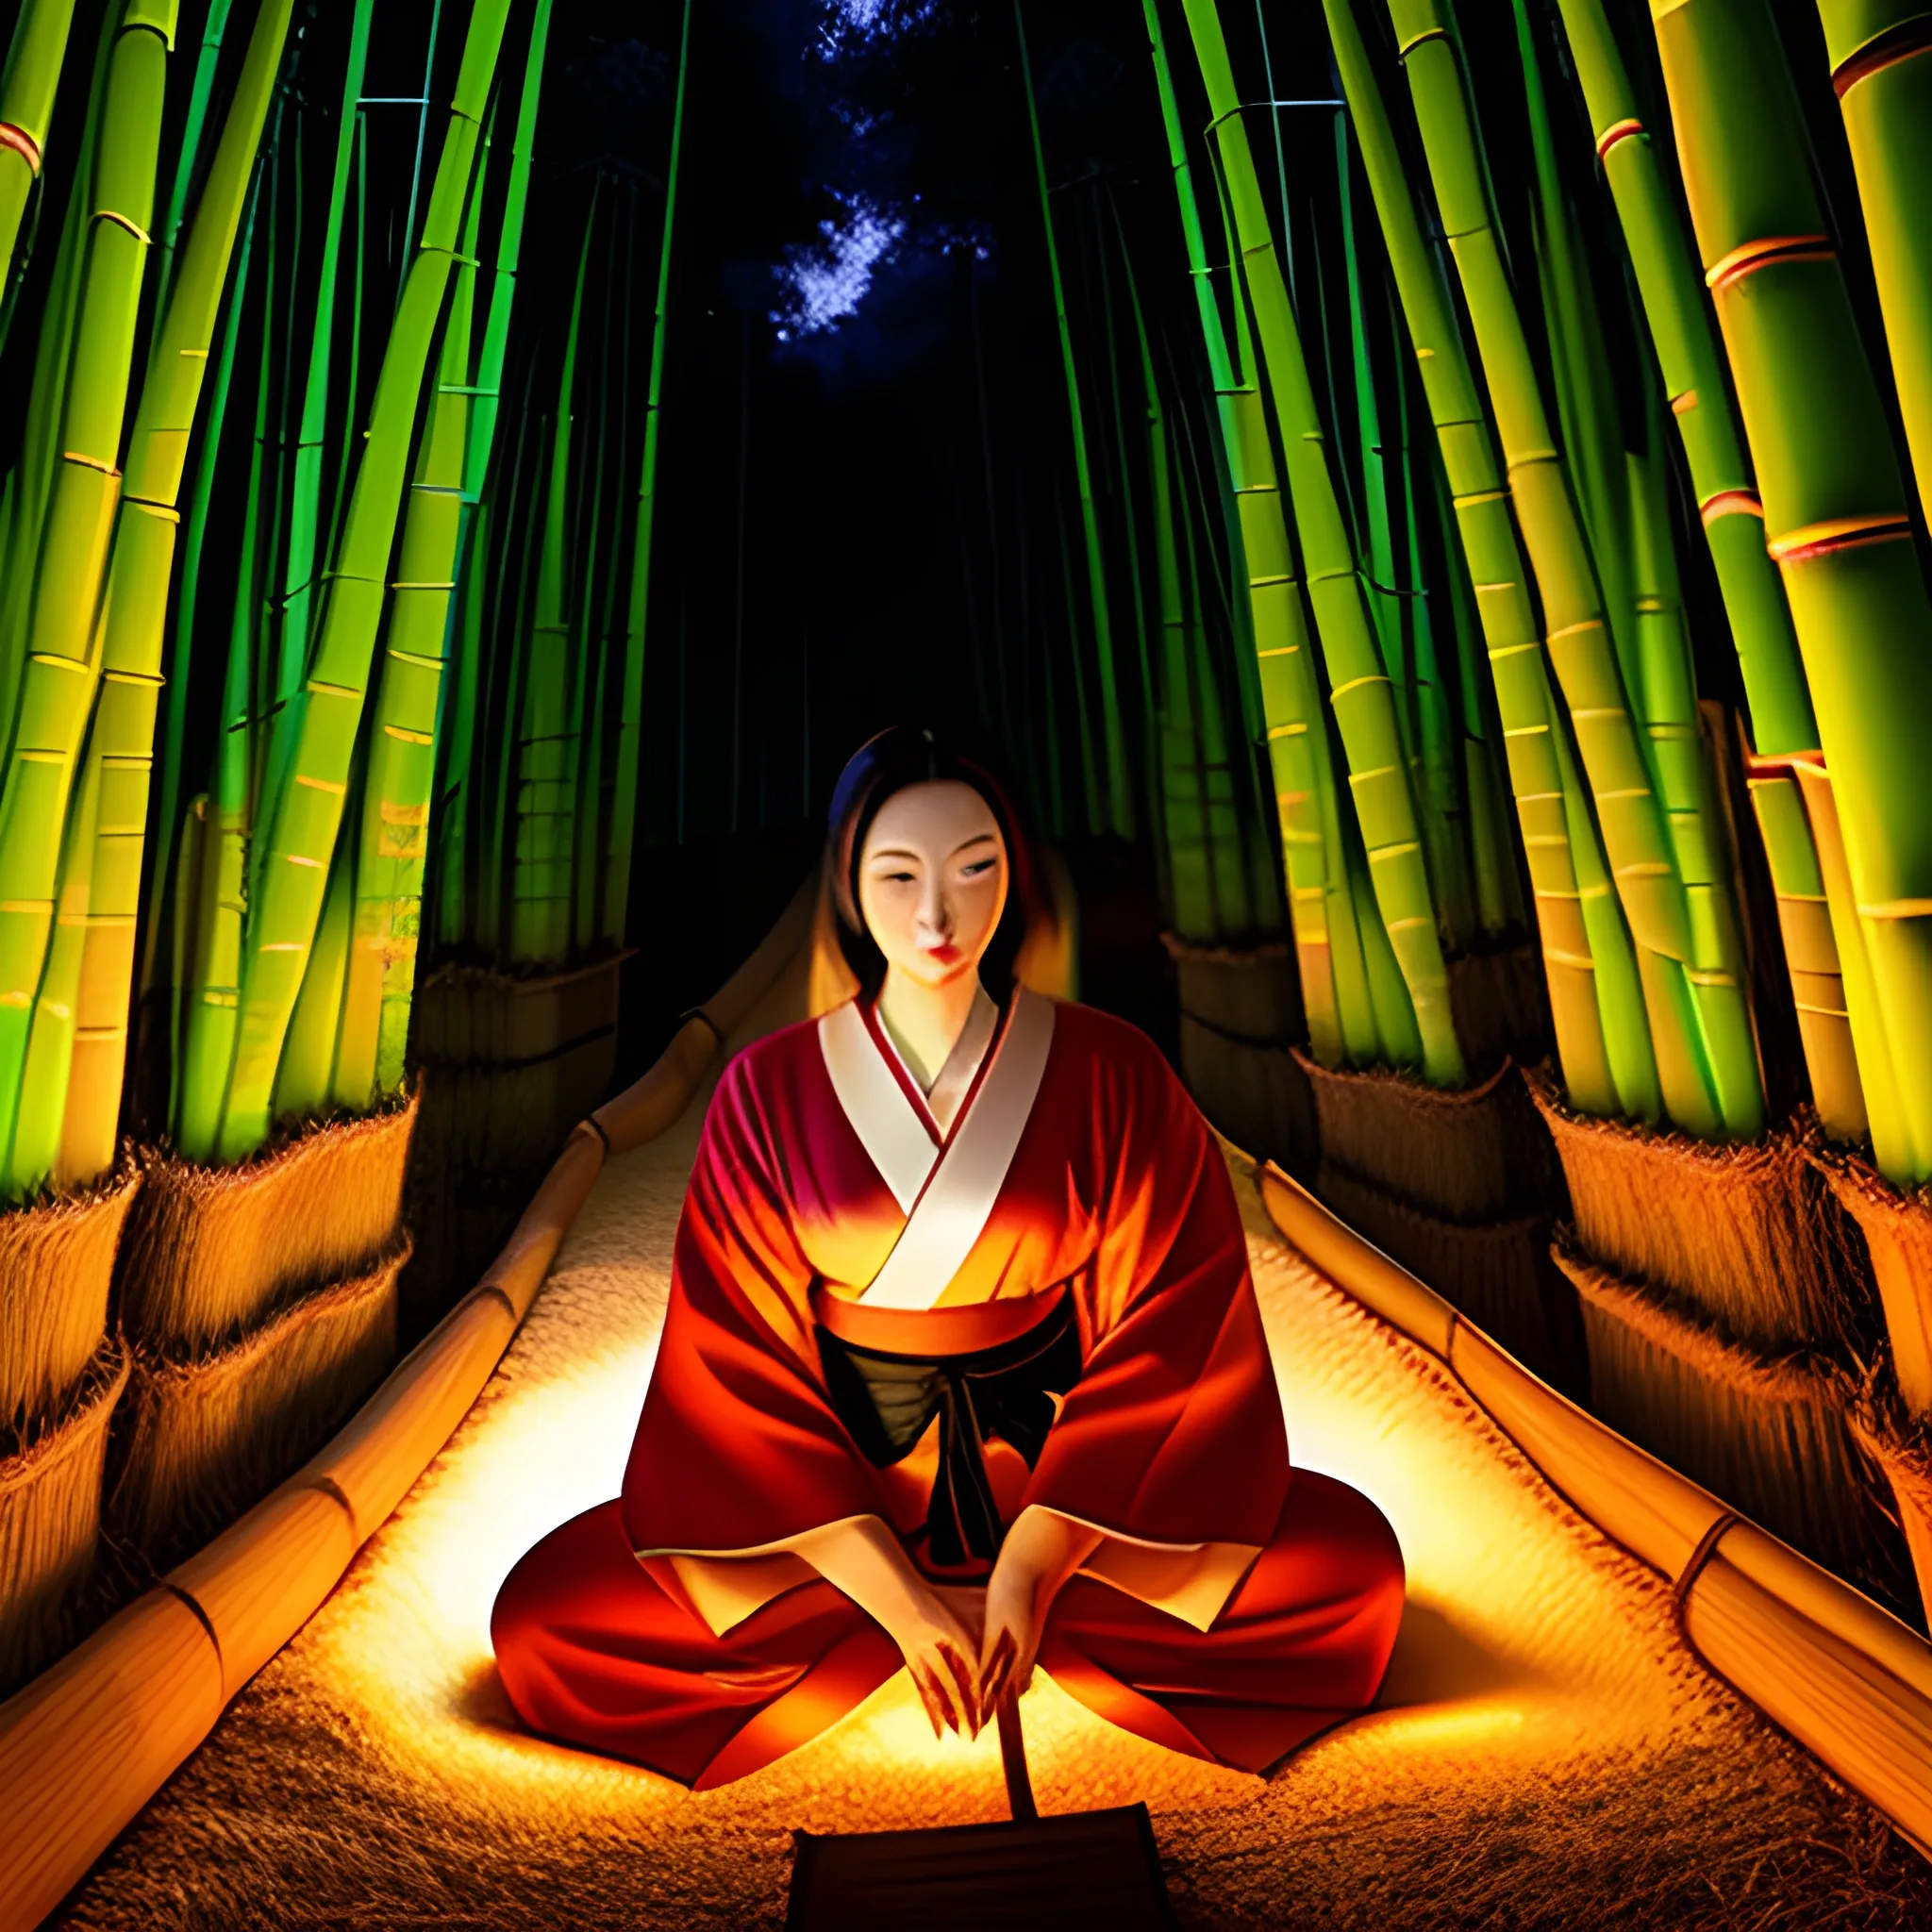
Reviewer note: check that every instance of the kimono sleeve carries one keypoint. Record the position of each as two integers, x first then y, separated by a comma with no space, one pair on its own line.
1172,1441
738,1450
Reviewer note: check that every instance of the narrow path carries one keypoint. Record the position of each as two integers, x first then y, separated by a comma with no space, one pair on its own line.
1550,1754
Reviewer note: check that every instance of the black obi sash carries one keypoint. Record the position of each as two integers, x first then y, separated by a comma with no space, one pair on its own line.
888,1403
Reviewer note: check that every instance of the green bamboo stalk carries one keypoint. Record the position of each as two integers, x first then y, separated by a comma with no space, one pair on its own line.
62,645
304,808
1211,900
30,483
1704,1091
312,1055
630,704
591,651
543,851
74,1101
1113,748
28,84
299,530
399,772
1359,690
187,152
207,999
1835,508
176,890
458,815
1881,70
1812,955
1691,366
1298,755
1534,740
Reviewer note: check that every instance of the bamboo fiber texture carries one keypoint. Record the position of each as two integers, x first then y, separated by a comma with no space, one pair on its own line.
1475,1155
50,1514
1844,1676
1769,1432
1735,1231
214,1248
57,1263
88,1742
203,1436
1897,1226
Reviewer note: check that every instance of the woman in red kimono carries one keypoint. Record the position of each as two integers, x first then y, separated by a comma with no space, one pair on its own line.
962,1371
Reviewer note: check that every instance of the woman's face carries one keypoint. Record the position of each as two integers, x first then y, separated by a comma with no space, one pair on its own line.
932,880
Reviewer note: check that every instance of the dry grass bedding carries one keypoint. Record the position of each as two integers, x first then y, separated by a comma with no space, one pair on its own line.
1548,1753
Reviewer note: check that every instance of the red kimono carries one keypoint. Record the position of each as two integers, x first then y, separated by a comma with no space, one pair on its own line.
1048,1306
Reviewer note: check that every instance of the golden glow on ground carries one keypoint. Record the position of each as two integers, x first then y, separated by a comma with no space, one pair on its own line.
1527,1639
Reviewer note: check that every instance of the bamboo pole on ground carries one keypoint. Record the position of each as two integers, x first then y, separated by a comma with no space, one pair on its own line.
305,809
29,83
1558,839
1881,70
1691,366
1359,692
1698,1021
1836,516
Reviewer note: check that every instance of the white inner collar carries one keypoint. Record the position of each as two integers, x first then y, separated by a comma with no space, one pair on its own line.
954,1080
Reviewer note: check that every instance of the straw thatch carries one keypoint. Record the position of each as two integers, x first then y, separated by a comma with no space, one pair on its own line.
1899,1445
50,1514
1477,1154
1239,1010
1770,1434
1745,1234
213,1250
204,1435
1897,1230
1251,995
1499,1273
56,1260
1256,1095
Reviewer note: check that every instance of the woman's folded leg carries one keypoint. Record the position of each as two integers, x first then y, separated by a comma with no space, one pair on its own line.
594,1652
1300,1645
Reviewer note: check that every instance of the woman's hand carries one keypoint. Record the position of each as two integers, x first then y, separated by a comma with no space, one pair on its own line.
862,1558
1040,1552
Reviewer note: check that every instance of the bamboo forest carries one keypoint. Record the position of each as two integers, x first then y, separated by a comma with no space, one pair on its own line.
965,963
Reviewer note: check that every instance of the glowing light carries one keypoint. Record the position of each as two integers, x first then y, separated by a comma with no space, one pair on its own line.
827,280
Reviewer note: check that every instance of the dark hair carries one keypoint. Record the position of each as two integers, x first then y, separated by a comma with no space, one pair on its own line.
898,758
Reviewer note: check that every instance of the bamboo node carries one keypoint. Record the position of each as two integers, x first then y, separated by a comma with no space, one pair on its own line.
1897,43
23,143
1730,503
1838,533
1616,131
121,221
1766,252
